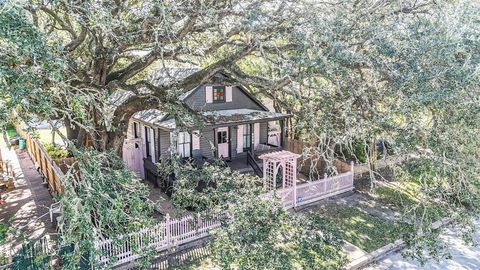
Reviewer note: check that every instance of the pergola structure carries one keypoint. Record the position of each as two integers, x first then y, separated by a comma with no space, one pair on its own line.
279,164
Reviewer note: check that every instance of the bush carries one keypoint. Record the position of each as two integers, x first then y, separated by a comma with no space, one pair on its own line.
359,152
55,152
3,232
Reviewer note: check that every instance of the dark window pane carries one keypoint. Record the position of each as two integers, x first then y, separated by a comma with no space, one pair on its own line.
219,93
135,130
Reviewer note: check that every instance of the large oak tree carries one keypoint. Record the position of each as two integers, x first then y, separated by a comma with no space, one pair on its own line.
402,71
110,47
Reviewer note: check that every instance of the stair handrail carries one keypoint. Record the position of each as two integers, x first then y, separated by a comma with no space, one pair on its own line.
251,161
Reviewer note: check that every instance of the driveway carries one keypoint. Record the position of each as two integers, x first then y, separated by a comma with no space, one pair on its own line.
464,256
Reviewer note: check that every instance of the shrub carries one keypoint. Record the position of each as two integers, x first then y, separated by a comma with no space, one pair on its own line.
55,152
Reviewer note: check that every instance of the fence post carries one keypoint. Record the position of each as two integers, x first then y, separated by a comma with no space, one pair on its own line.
167,231
325,183
198,224
352,172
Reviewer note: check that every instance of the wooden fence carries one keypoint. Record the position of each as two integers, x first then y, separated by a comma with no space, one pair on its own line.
307,165
164,235
46,165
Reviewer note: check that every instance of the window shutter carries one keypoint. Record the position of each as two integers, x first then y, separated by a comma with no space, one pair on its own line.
152,144
173,144
256,135
142,136
228,94
208,94
195,140
130,130
239,138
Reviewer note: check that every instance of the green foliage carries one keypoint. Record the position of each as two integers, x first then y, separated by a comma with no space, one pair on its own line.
11,132
29,68
55,151
409,78
363,229
102,199
210,187
256,232
261,235
3,232
359,152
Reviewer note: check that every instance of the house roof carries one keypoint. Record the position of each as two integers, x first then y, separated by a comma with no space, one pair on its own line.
241,116
156,77
213,118
164,76
152,116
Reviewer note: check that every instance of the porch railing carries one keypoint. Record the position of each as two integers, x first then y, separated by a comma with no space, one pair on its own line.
251,161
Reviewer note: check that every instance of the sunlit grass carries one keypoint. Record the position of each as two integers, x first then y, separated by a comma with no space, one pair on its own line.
407,197
398,194
364,230
45,136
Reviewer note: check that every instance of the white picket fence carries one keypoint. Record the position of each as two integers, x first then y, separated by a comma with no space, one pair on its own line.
173,232
316,190
162,236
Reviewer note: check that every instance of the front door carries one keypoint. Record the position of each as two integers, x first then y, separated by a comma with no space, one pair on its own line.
222,142
133,157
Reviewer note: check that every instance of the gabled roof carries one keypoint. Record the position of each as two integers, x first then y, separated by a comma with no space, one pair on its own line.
152,116
165,76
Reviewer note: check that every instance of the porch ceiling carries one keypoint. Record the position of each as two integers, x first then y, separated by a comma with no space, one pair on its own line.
213,118
239,116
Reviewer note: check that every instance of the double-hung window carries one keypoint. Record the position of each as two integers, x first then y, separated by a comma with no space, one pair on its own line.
148,141
219,94
184,144
247,137
135,130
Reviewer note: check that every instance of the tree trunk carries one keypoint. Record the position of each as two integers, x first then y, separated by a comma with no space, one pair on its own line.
372,152
72,129
110,140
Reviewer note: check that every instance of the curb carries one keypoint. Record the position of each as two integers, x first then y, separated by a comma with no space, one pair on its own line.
374,255
389,248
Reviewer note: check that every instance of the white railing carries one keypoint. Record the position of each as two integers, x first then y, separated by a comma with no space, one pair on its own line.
316,190
162,236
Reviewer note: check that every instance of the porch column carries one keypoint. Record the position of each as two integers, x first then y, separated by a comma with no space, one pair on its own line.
230,142
282,133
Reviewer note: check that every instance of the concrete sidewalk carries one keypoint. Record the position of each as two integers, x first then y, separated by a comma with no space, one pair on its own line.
28,202
464,256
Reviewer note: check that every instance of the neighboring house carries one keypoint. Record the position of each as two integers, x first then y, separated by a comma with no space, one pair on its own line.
237,124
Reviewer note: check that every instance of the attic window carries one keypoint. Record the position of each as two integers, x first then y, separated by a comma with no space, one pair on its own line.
219,94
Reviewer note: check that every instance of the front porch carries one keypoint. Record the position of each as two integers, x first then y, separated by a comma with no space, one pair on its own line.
245,165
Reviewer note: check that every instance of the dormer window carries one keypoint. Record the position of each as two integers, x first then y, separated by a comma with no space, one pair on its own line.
219,94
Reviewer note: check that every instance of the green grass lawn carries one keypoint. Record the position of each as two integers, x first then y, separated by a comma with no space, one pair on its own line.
364,230
11,132
406,196
45,136
398,194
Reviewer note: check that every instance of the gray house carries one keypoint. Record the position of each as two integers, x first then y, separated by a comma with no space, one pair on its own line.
238,127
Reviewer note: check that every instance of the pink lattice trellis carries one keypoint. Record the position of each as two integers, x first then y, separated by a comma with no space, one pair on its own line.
279,163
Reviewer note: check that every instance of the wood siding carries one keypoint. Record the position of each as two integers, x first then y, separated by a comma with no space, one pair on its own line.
206,143
164,139
264,132
240,100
